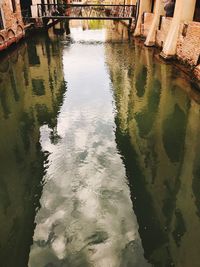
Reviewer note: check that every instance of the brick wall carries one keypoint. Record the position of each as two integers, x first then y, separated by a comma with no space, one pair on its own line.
13,24
188,47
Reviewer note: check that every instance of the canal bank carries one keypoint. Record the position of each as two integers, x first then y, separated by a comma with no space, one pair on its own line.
192,73
174,27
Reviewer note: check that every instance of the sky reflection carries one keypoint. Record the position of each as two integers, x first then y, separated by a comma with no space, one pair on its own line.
86,216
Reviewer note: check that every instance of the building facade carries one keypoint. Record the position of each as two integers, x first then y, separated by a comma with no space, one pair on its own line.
171,25
35,3
175,31
11,24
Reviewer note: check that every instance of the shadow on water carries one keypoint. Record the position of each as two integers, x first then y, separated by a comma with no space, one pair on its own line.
157,129
31,94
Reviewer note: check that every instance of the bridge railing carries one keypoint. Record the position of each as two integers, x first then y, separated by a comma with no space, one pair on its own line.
86,10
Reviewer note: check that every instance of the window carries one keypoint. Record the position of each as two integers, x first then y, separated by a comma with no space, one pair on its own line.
13,5
38,87
1,21
32,54
197,12
152,7
169,8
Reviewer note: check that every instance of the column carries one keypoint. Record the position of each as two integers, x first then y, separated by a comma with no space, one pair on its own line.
184,11
144,6
158,11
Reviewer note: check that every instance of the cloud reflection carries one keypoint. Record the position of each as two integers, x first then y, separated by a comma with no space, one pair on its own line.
86,216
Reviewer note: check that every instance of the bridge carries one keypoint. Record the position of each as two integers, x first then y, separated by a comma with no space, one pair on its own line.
86,12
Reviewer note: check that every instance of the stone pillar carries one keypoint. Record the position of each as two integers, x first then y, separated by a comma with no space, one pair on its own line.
144,6
158,11
184,11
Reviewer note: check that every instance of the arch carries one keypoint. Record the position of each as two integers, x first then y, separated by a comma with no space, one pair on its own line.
2,43
2,39
10,37
11,33
19,29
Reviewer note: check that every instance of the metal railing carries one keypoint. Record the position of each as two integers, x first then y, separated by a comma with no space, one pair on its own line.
80,11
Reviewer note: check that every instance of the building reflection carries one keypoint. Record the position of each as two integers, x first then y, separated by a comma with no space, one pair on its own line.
158,125
32,89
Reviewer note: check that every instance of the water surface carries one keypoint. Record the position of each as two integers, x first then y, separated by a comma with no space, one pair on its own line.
99,154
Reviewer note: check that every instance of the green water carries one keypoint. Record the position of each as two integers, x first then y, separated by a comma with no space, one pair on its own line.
99,154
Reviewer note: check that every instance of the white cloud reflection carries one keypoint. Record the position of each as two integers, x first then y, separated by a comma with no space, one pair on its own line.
86,216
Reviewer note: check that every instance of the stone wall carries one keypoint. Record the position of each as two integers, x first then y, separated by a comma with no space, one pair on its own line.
188,47
13,24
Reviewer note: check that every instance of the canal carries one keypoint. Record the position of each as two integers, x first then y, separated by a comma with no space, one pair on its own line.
99,154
